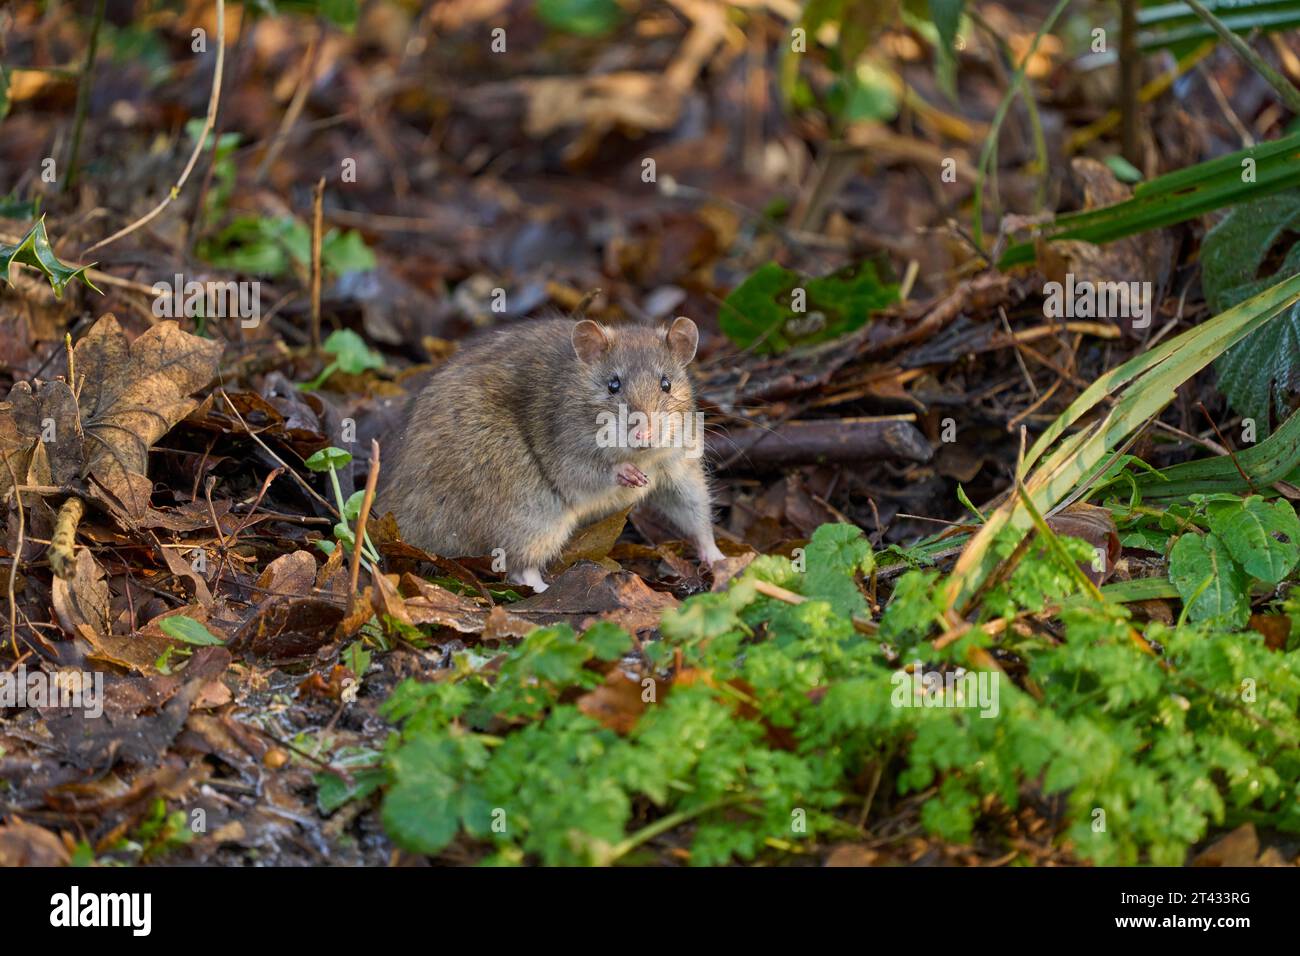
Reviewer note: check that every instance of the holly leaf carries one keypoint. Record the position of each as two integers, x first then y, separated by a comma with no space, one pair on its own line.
1211,584
1259,374
775,309
34,250
1263,536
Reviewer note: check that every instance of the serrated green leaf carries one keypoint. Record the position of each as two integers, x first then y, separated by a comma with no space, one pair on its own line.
34,250
1263,536
1257,375
761,311
1210,582
836,553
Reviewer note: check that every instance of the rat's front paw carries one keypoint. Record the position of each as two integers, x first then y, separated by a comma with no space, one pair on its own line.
630,476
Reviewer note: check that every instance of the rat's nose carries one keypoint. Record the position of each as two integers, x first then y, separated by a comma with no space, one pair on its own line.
643,429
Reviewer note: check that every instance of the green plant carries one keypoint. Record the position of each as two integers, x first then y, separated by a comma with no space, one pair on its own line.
759,743
351,355
775,309
330,460
271,247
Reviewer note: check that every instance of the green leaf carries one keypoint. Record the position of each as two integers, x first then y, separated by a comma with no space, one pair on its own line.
1263,536
1256,375
607,640
328,458
354,355
583,17
761,311
34,250
4,93
423,809
1210,582
871,94
186,629
1176,197
834,556
1124,171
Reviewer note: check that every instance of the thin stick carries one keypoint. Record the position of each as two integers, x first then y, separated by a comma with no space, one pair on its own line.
18,551
1285,88
213,99
317,221
297,477
1130,78
296,103
372,481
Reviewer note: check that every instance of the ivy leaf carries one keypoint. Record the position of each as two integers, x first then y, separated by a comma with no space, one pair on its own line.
34,250
1210,582
834,555
1257,374
1264,537
761,312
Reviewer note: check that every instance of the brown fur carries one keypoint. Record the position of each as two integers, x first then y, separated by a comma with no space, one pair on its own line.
500,449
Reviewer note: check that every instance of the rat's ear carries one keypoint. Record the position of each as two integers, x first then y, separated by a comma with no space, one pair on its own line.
683,339
590,340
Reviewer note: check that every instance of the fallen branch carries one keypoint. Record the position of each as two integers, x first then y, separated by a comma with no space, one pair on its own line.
833,440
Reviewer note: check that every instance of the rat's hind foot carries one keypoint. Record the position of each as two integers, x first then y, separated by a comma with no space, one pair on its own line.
708,549
630,475
531,577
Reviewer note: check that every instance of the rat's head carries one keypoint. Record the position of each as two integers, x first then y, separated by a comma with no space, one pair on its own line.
635,379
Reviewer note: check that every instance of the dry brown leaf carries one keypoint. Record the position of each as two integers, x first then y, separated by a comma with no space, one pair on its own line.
1238,848
132,393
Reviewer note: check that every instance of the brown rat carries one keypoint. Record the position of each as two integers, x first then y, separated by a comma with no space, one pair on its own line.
533,432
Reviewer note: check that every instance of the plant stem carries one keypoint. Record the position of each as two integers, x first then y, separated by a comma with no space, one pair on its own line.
83,94
664,824
1130,77
990,142
1285,88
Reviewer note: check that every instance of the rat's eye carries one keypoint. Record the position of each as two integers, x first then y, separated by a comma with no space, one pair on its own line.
664,384
614,384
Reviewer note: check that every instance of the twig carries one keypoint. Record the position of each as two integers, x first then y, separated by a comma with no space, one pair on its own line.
1285,88
372,481
297,477
213,100
1130,78
63,541
298,101
18,552
317,202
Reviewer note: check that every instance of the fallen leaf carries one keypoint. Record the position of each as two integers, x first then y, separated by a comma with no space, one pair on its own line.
132,393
